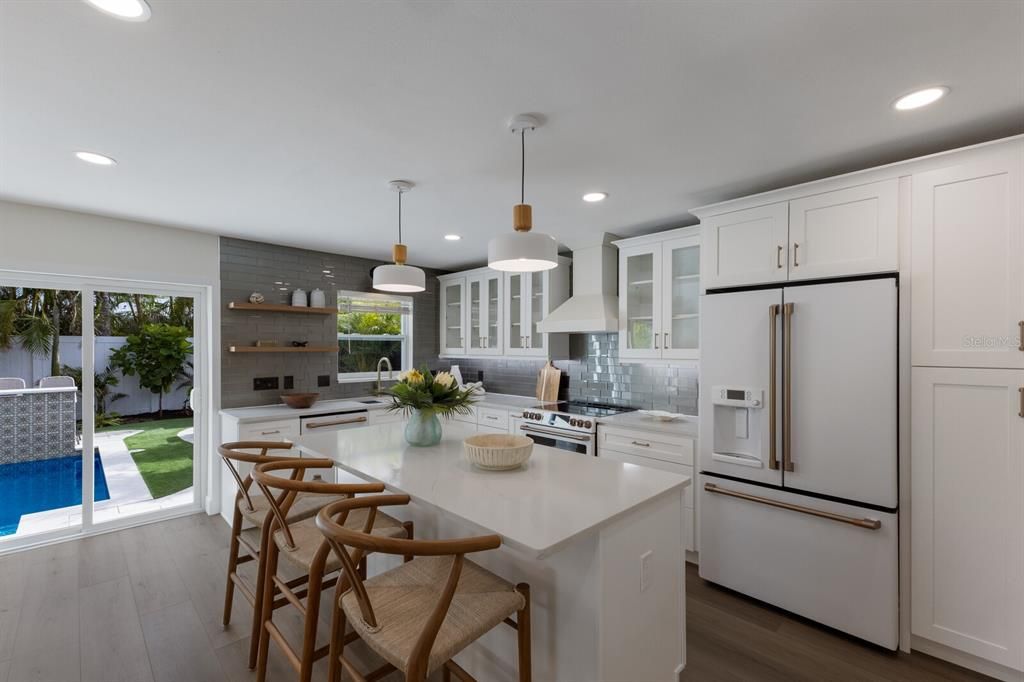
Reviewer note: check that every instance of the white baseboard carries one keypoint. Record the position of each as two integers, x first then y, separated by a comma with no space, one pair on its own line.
969,661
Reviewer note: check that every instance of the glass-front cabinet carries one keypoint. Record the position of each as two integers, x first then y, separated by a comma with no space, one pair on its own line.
659,296
484,309
453,316
526,308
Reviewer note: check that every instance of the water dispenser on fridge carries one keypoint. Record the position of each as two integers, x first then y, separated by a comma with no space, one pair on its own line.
738,424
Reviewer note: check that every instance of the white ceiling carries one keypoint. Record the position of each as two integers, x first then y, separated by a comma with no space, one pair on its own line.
283,121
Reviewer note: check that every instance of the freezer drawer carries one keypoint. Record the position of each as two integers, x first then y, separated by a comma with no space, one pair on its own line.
842,575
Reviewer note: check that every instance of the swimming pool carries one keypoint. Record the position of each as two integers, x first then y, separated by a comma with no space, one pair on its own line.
29,487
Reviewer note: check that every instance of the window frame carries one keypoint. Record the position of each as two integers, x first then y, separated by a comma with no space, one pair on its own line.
405,337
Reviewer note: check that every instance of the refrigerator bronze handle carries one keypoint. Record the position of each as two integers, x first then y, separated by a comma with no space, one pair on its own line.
870,524
773,315
787,387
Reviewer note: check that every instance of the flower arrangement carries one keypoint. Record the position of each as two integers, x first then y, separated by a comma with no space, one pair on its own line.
418,389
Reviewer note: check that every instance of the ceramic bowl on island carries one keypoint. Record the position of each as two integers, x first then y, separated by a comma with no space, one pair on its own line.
498,451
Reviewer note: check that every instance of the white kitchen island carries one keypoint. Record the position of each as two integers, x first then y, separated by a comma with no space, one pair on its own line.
600,543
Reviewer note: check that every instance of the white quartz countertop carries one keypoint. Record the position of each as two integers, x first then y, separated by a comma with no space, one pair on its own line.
538,509
282,411
686,426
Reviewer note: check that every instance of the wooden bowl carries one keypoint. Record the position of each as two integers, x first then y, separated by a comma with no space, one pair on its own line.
299,400
498,451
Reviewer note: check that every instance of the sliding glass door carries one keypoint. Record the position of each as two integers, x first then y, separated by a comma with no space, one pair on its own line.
101,419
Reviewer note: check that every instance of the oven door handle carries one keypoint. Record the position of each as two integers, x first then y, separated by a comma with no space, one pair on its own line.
554,434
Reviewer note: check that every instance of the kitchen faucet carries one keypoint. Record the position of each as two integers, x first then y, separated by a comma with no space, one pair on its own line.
383,360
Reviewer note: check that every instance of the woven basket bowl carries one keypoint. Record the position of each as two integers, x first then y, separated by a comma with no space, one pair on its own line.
498,451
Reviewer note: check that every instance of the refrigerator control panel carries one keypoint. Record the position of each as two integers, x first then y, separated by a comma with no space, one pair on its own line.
737,396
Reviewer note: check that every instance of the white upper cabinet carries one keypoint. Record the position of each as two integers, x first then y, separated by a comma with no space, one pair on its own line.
967,249
659,295
484,309
453,315
746,247
486,312
967,521
849,231
846,232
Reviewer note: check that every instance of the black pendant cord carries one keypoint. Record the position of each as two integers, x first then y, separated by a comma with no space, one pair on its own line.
522,173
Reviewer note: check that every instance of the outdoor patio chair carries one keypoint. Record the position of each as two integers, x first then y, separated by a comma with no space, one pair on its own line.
11,383
304,548
57,382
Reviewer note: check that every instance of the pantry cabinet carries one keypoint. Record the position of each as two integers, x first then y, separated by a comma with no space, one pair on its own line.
848,231
968,262
489,313
659,295
967,523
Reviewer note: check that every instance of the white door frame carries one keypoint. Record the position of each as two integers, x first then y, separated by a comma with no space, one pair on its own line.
202,358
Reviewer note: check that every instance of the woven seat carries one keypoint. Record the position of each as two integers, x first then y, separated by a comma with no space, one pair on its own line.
305,507
308,538
404,597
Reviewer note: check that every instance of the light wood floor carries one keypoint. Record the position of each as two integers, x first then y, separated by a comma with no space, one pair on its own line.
144,605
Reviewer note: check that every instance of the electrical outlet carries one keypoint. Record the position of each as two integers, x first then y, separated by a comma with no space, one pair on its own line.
264,383
645,568
323,380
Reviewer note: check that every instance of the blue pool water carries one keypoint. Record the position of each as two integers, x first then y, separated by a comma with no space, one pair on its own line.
29,487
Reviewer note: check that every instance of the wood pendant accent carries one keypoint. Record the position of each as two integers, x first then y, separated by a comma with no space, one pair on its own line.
399,253
522,217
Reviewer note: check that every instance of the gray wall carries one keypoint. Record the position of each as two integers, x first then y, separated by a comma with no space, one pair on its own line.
247,266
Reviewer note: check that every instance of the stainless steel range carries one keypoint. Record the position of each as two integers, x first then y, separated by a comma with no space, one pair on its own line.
567,425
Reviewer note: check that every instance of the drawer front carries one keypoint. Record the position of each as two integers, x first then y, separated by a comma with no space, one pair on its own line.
680,469
653,445
468,418
284,429
495,419
384,417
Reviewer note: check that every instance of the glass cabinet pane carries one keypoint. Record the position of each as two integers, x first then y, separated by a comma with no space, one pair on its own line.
476,334
516,334
453,316
640,301
684,302
536,308
491,301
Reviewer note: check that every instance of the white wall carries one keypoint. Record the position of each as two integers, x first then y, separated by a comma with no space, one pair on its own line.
50,241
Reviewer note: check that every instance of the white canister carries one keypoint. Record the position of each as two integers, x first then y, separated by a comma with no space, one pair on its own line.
299,298
317,299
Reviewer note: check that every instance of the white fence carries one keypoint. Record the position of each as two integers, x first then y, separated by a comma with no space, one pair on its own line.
17,362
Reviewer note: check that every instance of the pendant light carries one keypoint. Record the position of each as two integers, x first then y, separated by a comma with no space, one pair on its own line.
400,278
522,250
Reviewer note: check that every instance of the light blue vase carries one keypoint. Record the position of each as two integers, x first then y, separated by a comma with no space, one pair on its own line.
423,429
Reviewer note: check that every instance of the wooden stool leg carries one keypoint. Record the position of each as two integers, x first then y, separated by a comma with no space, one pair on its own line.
229,589
266,612
446,674
523,635
316,580
337,643
257,607
408,525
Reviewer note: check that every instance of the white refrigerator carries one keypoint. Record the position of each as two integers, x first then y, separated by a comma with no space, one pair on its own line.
799,450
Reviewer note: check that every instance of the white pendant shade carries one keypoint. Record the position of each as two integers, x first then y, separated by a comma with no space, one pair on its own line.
403,279
522,252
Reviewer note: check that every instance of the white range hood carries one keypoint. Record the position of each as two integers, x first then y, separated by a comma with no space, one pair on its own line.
594,305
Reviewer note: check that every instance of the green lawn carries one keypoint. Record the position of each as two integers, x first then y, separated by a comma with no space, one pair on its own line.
164,460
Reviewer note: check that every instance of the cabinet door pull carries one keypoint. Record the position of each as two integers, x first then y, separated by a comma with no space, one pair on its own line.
664,343
1021,412
641,443
1020,332
795,248
778,257
655,341
270,433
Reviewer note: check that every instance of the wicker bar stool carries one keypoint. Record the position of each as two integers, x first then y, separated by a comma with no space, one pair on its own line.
300,543
247,544
422,613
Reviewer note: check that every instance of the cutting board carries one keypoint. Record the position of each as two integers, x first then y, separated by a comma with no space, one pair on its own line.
547,383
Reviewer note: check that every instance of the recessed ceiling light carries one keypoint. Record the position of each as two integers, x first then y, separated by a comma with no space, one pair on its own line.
129,10
920,98
94,158
595,196
452,237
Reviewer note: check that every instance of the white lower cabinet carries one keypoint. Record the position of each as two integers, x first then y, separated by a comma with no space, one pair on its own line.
967,495
281,429
656,450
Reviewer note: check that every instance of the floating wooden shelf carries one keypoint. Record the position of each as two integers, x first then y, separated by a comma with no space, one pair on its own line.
280,308
282,349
